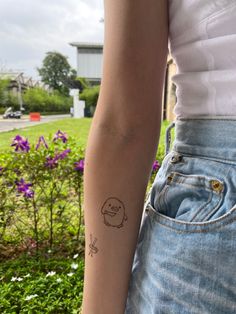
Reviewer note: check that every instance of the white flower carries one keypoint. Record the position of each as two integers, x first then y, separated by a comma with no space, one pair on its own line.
49,251
70,274
29,297
75,256
59,280
74,266
16,279
28,275
51,273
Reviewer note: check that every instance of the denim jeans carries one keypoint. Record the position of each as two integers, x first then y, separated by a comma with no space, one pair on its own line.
185,259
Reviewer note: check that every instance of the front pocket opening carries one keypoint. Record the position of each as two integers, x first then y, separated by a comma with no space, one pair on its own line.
187,197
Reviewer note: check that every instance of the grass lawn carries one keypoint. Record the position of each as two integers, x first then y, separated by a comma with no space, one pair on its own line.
78,128
73,127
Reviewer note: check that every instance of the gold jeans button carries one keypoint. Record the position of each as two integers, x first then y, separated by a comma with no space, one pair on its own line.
176,158
169,178
217,186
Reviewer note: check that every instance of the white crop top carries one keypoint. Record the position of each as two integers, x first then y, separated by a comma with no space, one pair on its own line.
202,42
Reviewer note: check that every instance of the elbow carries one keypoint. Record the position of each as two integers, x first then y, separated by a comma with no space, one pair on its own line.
117,132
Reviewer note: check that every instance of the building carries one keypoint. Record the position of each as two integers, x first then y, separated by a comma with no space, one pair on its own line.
89,65
18,83
89,61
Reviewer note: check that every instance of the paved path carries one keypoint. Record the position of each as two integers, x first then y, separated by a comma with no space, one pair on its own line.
11,124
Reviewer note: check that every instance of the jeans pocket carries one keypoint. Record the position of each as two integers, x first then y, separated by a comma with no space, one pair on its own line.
190,197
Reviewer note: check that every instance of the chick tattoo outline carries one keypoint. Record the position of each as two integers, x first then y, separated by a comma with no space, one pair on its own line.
113,211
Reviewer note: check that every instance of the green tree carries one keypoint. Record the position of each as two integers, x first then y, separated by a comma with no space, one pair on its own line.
57,72
12,101
83,82
90,95
3,91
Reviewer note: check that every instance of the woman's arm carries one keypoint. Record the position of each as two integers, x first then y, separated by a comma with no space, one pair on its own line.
121,148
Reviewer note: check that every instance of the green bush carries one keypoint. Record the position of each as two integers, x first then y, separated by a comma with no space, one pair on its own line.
90,95
12,101
84,82
2,110
37,99
59,103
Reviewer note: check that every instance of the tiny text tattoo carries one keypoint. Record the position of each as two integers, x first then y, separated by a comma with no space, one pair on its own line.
92,248
113,211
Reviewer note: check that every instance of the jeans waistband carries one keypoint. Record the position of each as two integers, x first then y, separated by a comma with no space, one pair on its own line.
212,137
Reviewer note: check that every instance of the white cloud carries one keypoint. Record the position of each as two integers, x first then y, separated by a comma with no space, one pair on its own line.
28,29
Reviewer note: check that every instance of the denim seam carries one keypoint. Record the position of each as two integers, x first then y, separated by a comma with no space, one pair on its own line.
201,207
165,197
194,155
154,215
197,176
221,119
232,210
214,208
194,187
212,227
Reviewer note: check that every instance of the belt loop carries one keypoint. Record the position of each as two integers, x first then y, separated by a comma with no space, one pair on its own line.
168,137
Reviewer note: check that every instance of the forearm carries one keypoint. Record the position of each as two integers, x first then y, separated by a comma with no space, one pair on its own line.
121,148
116,172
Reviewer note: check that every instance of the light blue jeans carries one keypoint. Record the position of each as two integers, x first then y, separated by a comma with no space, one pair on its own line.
185,259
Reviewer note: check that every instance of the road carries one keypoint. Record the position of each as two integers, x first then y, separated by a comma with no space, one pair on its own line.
11,124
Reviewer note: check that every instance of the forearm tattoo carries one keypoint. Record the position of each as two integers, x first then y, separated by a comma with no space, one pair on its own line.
113,211
92,248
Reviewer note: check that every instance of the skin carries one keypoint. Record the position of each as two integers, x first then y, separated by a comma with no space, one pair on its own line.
121,148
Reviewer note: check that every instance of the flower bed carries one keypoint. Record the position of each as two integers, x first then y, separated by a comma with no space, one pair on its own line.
44,286
41,195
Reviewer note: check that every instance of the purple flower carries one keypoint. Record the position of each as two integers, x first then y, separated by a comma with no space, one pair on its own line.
42,141
21,144
23,187
29,193
79,165
51,162
1,170
61,136
63,154
155,165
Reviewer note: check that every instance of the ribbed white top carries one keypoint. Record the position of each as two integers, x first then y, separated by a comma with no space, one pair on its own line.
202,42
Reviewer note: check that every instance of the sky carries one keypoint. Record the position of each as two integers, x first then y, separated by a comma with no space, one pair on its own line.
30,28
